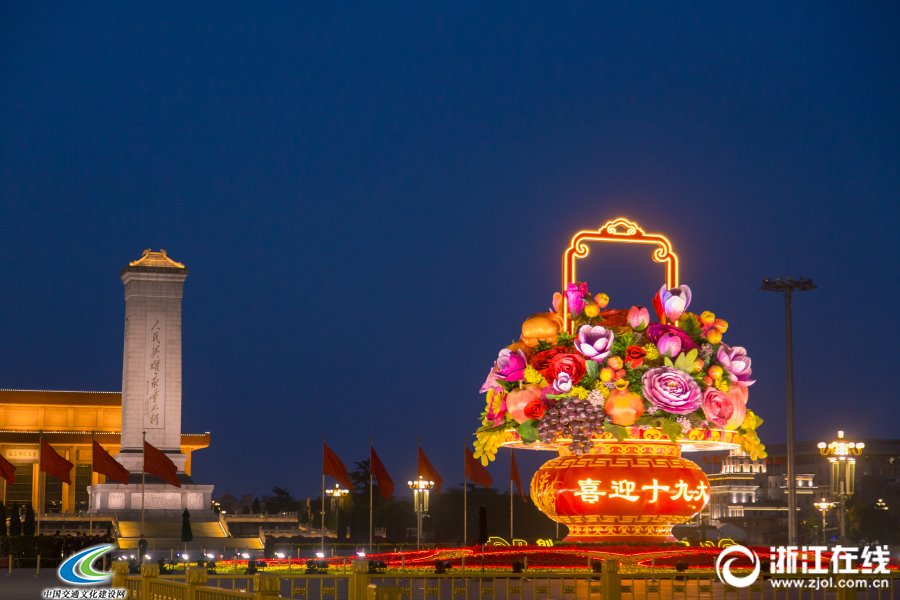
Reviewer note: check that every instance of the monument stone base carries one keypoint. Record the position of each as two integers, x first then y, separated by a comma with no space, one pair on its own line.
117,497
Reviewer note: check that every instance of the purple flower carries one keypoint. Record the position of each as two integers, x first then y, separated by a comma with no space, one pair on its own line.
671,390
575,293
736,362
669,345
656,330
594,343
563,383
638,317
511,365
675,301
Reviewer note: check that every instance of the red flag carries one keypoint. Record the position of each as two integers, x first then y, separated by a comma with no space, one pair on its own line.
475,472
427,471
334,467
157,463
105,464
7,471
514,474
54,464
385,483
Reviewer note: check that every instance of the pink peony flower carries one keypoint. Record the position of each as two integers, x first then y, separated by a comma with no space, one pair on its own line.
671,390
511,365
638,317
736,362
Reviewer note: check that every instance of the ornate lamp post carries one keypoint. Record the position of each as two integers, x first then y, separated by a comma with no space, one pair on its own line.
787,287
420,488
824,506
336,494
841,454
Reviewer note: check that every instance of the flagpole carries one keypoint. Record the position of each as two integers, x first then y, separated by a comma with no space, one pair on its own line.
511,460
40,487
322,512
465,497
143,476
91,495
371,489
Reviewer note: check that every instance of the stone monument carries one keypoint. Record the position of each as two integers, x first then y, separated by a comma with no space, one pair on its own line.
151,389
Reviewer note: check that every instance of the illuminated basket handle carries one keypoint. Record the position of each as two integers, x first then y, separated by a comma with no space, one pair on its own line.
620,231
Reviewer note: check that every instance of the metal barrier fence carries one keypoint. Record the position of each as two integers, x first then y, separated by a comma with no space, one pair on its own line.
609,584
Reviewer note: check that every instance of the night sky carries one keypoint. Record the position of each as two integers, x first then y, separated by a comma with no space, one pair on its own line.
371,200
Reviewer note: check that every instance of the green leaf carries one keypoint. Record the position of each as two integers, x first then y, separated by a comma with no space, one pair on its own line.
672,429
564,338
617,430
593,370
528,432
668,362
691,326
685,362
622,341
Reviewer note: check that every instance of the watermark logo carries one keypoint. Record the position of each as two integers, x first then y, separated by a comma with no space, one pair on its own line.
725,560
79,569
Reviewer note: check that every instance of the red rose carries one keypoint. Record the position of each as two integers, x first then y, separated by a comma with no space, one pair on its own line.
634,356
534,410
573,364
541,360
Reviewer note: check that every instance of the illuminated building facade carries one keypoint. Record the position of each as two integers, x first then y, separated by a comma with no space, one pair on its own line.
68,420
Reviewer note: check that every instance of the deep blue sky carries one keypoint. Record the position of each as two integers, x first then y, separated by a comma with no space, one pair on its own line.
371,200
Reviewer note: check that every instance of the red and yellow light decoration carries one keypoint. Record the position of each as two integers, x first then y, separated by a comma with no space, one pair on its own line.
619,397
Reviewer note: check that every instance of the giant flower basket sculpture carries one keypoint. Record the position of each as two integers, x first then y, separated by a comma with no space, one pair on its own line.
619,396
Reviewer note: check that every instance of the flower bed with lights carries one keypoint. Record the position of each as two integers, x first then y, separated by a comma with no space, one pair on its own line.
619,397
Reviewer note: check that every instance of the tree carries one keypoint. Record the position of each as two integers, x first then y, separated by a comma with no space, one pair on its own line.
228,502
28,526
873,523
2,520
255,508
281,501
15,524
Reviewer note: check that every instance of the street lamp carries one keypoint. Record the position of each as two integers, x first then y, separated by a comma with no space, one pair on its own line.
787,287
420,488
841,454
337,494
824,506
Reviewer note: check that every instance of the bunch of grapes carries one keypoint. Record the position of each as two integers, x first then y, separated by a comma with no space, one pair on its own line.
572,418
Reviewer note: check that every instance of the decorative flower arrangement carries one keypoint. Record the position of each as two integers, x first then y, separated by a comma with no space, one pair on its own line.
617,371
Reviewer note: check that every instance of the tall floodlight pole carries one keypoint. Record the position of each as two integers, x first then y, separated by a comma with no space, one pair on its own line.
787,287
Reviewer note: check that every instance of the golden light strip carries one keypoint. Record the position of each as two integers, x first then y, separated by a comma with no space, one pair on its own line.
621,231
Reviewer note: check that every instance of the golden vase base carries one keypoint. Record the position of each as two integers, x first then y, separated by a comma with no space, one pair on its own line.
629,491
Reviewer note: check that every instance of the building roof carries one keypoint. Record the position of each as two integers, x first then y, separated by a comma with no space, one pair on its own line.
60,398
194,441
153,259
